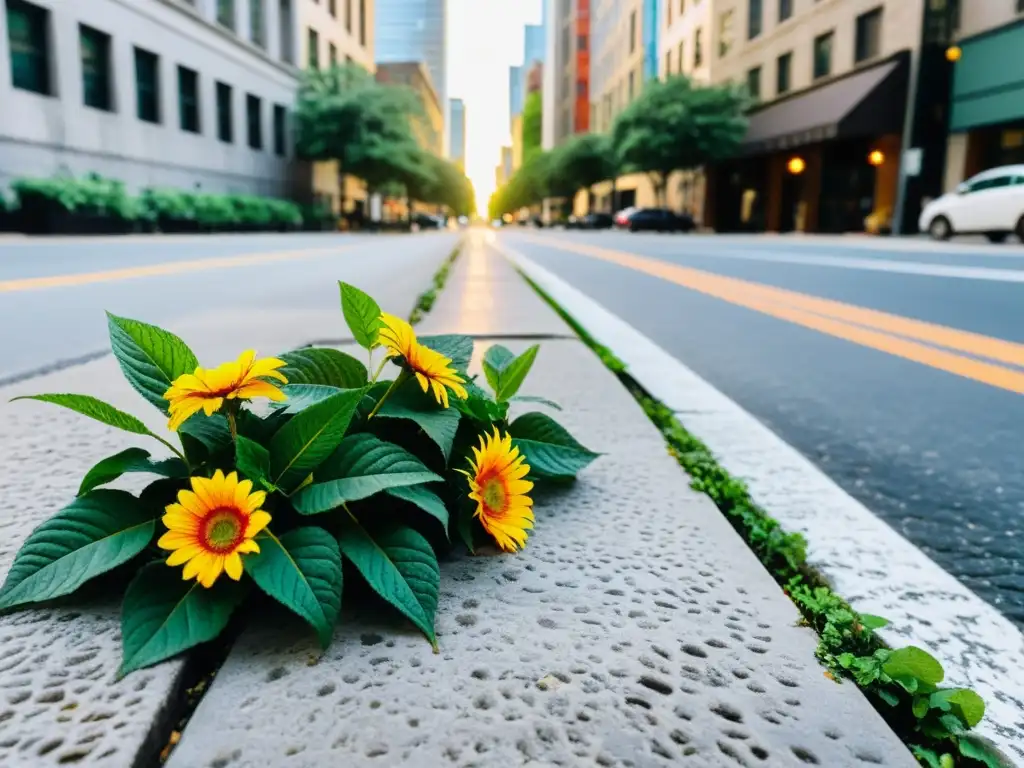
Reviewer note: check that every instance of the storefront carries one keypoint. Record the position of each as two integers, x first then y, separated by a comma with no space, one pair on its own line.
820,160
987,110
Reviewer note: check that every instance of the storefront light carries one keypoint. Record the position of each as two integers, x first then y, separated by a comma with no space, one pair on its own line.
796,165
953,53
876,157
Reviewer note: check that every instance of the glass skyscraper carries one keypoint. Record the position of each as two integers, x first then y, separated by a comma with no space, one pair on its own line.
415,30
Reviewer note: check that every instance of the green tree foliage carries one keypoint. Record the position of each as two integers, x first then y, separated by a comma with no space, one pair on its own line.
344,114
528,186
677,125
581,162
532,126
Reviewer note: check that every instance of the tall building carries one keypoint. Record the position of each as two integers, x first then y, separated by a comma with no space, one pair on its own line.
569,60
457,140
415,30
516,91
987,93
152,92
832,81
533,45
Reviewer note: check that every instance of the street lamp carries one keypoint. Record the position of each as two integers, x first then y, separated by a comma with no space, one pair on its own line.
796,165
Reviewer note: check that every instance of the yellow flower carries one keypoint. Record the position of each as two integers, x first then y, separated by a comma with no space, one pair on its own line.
207,390
212,525
498,487
431,368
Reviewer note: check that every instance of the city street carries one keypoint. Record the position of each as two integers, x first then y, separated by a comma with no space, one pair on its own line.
870,398
53,293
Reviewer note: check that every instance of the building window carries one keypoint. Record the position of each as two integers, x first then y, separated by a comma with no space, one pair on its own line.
670,6
257,25
279,130
332,8
188,99
632,85
755,13
869,36
147,86
581,42
285,30
313,49
253,121
362,23
725,38
681,58
581,89
348,16
785,10
823,55
94,48
332,54
225,116
1020,6
698,48
668,64
782,73
754,82
682,6
632,32
28,35
226,13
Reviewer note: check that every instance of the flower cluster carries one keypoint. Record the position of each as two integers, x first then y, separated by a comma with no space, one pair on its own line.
287,467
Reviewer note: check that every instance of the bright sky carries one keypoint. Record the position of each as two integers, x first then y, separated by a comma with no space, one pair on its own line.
485,38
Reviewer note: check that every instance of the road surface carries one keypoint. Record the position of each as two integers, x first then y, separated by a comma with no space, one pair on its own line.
916,412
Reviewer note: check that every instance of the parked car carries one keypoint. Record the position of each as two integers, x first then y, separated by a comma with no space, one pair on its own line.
622,217
427,221
655,220
990,203
596,221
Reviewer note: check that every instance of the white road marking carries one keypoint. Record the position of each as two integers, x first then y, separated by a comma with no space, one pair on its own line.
868,563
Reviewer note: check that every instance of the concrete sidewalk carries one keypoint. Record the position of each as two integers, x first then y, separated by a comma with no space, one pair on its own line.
635,629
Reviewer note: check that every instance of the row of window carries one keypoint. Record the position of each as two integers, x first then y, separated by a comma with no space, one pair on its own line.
28,33
313,50
226,17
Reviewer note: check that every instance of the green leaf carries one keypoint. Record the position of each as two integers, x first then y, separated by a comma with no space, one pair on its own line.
163,615
495,360
205,436
505,372
301,396
537,400
362,466
96,409
912,662
302,571
480,405
150,357
927,756
548,447
888,697
872,622
920,706
412,404
400,566
457,348
252,459
362,314
976,749
423,498
92,535
324,366
964,702
310,437
129,460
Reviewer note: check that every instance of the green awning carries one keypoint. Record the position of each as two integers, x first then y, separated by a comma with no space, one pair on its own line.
988,81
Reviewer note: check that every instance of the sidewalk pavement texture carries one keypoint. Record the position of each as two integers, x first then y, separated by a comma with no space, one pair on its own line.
636,628
867,562
60,700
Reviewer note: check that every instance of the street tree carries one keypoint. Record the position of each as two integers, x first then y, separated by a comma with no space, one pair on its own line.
676,125
581,162
531,126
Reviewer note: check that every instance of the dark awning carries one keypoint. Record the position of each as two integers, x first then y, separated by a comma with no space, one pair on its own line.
865,103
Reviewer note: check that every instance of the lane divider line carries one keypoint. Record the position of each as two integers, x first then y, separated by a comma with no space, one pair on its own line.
839,319
166,268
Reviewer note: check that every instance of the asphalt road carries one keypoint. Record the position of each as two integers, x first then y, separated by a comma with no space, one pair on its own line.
937,455
53,292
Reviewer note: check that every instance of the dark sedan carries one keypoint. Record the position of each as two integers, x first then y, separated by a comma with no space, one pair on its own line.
654,220
590,221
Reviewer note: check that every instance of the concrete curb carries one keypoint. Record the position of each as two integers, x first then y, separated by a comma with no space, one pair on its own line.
867,562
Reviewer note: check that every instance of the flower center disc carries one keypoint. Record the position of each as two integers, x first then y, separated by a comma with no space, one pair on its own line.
223,530
494,495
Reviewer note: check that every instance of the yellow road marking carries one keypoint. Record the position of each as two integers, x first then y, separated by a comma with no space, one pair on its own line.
870,328
167,268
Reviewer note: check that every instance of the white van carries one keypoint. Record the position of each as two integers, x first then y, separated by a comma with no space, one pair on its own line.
990,204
